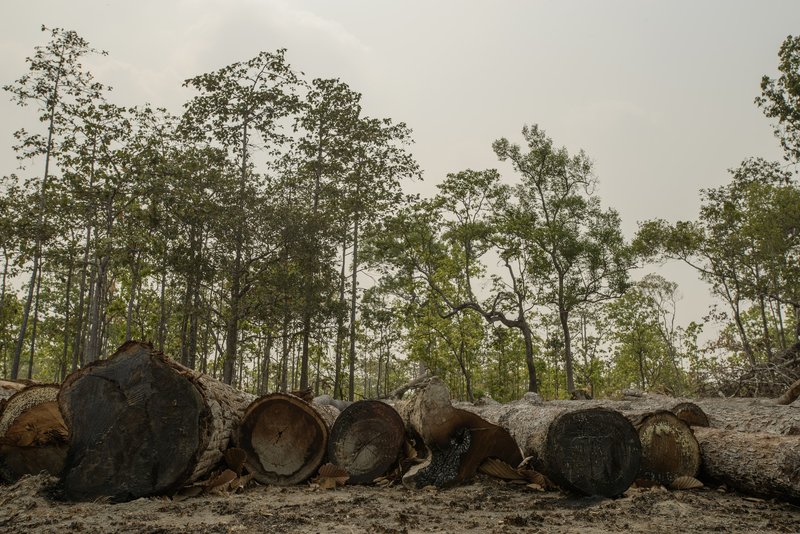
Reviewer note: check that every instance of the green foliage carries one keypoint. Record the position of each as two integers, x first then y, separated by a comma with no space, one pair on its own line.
780,98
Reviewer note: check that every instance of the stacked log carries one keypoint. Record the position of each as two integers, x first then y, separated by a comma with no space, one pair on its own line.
669,448
285,438
141,424
589,451
366,440
33,436
456,441
757,463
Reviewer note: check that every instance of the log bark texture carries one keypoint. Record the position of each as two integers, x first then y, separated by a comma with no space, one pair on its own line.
33,436
457,441
757,463
752,415
285,438
669,448
366,440
592,451
141,424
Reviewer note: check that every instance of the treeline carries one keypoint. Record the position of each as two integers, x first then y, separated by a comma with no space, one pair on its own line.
263,236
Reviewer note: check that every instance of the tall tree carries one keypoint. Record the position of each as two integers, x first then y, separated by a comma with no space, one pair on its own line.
58,85
241,106
577,250
780,98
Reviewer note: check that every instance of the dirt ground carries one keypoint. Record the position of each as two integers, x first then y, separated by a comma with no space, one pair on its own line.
486,505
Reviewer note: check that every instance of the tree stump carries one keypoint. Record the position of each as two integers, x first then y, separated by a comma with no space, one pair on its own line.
285,438
457,441
592,451
141,424
366,440
669,448
757,463
33,436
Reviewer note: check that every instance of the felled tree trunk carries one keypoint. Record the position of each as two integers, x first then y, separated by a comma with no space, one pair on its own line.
457,441
366,440
752,415
757,463
33,436
285,438
141,424
592,451
669,448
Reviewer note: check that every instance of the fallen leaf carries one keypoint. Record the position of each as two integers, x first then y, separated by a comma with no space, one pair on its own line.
499,469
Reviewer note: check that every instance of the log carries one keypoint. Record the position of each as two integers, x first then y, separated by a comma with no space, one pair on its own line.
762,464
141,424
588,451
33,436
366,440
691,414
669,448
285,438
456,441
752,415
790,395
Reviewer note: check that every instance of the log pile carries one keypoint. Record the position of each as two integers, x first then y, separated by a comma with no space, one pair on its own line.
140,424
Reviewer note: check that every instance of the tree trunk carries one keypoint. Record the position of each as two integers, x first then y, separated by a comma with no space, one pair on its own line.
337,373
756,463
33,436
669,449
35,324
353,300
366,440
564,317
594,451
752,415
67,292
457,441
141,424
285,438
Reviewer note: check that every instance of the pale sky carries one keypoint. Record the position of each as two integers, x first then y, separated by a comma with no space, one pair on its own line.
659,94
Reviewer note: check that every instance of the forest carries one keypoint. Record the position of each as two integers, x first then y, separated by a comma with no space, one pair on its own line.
265,235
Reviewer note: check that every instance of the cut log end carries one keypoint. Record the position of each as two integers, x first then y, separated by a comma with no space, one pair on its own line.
33,436
669,448
366,440
136,426
592,452
284,437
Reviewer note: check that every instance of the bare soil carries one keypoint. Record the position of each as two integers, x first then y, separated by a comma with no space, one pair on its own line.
487,505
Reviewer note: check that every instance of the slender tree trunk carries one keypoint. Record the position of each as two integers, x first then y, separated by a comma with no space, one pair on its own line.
162,318
40,219
353,302
263,385
93,346
78,339
3,313
779,318
35,323
132,297
284,383
340,332
563,315
765,325
63,367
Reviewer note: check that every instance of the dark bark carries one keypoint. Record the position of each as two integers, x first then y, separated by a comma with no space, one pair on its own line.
351,355
457,441
366,440
141,424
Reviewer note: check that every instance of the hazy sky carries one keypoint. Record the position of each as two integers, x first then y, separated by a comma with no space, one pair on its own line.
659,94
